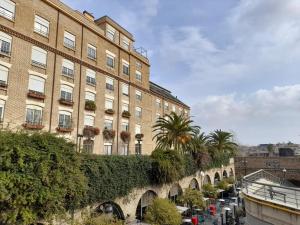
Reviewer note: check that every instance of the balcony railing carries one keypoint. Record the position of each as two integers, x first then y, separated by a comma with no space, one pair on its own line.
3,84
41,31
68,72
38,64
33,125
265,186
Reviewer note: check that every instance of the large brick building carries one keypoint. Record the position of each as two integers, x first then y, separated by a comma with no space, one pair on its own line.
65,72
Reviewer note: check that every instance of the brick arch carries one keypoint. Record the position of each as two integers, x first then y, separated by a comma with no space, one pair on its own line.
207,179
175,191
144,201
225,174
194,184
217,177
231,172
110,207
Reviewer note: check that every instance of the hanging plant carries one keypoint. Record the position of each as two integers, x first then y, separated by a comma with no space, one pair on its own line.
109,134
125,136
109,111
89,131
126,114
90,105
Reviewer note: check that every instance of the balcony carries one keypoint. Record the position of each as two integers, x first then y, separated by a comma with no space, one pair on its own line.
67,102
33,125
90,105
64,128
126,114
36,95
110,111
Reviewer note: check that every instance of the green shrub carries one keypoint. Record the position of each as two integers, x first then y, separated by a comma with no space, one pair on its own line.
102,220
39,177
209,191
167,166
109,177
193,198
230,180
162,212
223,185
190,165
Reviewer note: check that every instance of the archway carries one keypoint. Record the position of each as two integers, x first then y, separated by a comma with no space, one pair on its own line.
206,180
225,175
194,184
231,172
110,208
217,178
143,204
175,192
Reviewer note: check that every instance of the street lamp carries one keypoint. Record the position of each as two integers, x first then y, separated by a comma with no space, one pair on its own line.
284,173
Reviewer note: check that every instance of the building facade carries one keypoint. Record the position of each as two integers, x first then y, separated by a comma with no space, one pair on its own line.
64,72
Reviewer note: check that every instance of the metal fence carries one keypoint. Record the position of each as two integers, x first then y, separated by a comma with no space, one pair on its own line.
265,186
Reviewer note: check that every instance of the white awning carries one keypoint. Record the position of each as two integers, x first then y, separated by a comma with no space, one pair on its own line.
181,209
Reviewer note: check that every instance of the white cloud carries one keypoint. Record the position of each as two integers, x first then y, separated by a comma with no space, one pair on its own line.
260,117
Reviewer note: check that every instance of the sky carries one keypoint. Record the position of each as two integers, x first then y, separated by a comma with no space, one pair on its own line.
235,62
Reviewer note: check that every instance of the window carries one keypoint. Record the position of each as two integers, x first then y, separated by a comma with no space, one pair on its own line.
138,95
166,106
90,77
124,149
5,42
125,43
180,110
41,26
125,68
109,83
7,9
125,126
88,146
2,105
66,93
158,104
110,60
110,32
108,124
109,103
92,52
39,57
138,75
125,89
36,84
138,129
89,120
138,65
69,40
68,68
125,107
34,115
65,119
3,75
90,96
138,112
108,148
173,108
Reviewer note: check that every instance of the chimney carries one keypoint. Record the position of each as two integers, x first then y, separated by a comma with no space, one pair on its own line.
88,15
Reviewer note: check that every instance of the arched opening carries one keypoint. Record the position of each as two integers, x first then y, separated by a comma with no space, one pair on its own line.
225,175
217,178
110,208
231,172
144,202
206,180
175,192
194,184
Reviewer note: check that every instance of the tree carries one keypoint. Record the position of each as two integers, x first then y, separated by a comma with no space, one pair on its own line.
209,191
198,143
102,220
162,212
193,198
221,142
173,132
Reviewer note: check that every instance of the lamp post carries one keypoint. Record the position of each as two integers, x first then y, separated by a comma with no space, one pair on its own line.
284,173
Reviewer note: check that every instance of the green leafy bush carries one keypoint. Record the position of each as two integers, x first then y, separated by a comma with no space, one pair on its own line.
39,177
223,184
209,191
102,220
193,198
162,212
167,166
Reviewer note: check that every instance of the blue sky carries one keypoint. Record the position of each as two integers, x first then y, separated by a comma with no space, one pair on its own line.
235,62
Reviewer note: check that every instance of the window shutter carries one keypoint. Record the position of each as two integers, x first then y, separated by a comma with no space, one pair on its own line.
125,89
5,37
68,64
109,81
8,5
42,21
91,73
39,55
3,73
69,36
36,83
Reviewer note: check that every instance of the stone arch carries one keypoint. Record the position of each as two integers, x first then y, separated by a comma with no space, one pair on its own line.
175,192
225,174
145,200
194,184
217,178
110,208
206,179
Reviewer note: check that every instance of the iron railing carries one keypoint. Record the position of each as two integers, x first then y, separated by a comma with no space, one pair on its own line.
265,186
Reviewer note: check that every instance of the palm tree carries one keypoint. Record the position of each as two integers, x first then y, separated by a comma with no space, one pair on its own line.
222,142
174,132
198,143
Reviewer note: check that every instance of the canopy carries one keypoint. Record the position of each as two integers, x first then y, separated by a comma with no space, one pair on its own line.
181,209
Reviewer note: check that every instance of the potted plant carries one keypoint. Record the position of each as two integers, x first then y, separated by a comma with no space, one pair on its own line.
36,94
89,131
33,126
109,134
125,136
64,101
90,105
64,129
109,111
126,114
139,136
